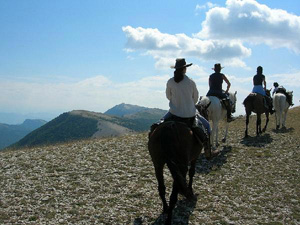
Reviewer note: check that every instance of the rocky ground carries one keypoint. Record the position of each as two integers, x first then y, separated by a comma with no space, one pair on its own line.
111,181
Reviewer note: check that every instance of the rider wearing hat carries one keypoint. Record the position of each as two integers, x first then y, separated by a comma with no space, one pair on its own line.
182,93
215,88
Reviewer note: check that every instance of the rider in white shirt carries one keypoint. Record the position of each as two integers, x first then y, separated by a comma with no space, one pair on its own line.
182,93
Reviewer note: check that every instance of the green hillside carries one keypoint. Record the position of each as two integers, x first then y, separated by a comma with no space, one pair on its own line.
66,127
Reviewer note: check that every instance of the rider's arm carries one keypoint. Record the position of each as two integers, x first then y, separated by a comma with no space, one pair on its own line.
265,84
195,93
168,91
227,82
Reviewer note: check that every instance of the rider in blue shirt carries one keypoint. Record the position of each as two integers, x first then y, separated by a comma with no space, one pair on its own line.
260,85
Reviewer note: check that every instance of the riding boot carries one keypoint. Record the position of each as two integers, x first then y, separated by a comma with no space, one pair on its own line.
228,108
269,104
266,103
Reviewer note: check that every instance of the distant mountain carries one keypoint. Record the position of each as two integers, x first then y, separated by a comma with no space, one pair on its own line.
18,118
135,111
142,117
81,124
10,134
124,109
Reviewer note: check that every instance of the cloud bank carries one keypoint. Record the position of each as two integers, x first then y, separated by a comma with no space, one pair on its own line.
224,35
250,21
164,47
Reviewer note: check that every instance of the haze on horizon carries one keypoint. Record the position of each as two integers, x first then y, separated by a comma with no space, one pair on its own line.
58,56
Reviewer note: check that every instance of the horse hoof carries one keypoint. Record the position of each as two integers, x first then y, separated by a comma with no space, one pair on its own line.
264,130
224,140
214,153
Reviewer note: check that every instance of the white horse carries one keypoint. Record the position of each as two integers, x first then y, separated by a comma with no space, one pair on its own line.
217,112
281,107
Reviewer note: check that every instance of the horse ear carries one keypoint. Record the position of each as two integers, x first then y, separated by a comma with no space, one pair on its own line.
292,92
235,92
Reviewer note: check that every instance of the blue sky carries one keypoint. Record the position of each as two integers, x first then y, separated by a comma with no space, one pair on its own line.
61,55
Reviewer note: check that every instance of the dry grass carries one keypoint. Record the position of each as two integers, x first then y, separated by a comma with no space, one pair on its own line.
111,181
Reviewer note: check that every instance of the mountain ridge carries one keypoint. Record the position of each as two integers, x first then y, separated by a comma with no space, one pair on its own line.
82,124
13,133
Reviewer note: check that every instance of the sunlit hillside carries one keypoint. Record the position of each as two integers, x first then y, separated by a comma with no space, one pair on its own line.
112,181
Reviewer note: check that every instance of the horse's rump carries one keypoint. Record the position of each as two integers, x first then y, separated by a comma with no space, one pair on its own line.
254,102
172,138
250,98
280,102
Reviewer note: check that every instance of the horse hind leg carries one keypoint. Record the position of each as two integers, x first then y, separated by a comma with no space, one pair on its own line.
225,135
247,123
267,121
217,136
161,187
173,201
258,125
284,119
277,120
192,171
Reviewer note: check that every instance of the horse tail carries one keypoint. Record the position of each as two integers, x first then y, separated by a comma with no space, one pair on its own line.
170,144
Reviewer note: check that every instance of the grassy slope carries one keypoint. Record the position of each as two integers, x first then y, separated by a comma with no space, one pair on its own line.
66,127
111,181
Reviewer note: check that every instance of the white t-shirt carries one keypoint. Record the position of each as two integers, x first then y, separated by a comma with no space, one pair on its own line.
182,96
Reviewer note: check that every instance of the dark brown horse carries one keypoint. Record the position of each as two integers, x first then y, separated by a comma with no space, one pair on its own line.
174,144
255,103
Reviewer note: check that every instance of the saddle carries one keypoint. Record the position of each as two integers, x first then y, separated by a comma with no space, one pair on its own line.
193,123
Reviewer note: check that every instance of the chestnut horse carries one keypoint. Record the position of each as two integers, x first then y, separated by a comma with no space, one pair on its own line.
255,103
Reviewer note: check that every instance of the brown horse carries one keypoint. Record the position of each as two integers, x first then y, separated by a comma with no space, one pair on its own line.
255,103
174,144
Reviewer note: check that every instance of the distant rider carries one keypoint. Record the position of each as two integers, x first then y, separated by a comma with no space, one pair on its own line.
281,89
260,85
215,89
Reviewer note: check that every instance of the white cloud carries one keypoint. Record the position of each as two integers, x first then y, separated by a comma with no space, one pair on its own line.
164,47
207,5
96,94
250,21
